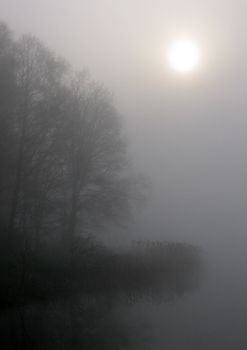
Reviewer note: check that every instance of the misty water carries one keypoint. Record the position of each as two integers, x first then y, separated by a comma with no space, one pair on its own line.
185,171
213,318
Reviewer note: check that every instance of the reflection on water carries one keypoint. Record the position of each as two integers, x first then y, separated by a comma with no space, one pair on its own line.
82,323
102,318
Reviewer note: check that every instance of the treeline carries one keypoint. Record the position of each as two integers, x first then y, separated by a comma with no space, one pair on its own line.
64,175
64,167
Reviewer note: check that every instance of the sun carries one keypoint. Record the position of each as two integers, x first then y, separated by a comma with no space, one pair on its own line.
183,56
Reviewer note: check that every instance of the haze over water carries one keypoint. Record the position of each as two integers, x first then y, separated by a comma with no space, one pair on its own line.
186,133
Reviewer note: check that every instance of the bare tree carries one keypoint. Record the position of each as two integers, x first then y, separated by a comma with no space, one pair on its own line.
99,185
71,170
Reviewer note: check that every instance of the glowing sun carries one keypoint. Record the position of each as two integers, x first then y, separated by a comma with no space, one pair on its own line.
183,56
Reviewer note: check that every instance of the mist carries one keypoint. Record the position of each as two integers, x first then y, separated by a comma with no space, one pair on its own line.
184,187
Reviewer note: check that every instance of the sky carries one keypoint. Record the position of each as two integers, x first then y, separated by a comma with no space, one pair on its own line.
187,133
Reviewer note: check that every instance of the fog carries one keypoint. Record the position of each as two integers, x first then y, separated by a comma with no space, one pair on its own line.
186,134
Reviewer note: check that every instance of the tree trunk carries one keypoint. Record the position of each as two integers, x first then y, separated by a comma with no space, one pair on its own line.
20,158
